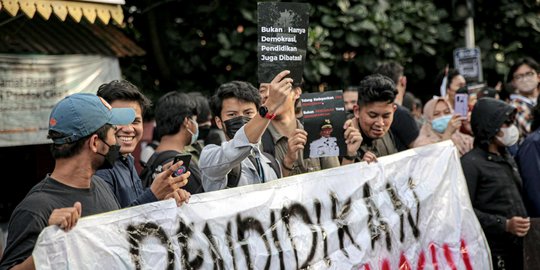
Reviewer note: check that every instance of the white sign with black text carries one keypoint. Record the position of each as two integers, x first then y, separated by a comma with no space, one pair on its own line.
410,210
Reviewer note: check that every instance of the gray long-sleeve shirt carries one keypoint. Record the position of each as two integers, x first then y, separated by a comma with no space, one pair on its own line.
217,161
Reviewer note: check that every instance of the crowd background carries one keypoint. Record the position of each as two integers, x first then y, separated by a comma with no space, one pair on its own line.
347,39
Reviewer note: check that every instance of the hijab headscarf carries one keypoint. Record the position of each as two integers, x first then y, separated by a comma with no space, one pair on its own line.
463,142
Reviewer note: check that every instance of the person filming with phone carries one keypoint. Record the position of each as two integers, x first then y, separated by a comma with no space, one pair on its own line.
442,124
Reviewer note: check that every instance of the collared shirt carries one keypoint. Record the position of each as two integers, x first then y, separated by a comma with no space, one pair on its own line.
524,107
125,183
302,165
217,161
324,147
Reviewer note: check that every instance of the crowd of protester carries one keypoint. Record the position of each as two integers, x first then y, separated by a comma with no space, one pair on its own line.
244,135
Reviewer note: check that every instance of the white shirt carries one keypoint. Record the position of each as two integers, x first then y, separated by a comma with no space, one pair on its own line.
217,161
324,147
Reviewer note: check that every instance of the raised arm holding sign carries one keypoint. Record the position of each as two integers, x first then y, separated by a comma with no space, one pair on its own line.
282,41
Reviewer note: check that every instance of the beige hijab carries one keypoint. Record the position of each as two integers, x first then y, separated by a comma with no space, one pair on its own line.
463,142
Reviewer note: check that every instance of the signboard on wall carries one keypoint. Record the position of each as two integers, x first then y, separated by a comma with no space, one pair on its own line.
30,85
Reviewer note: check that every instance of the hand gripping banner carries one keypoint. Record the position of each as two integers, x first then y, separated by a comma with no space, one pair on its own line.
410,210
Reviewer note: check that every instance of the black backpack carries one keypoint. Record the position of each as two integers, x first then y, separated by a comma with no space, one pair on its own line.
154,166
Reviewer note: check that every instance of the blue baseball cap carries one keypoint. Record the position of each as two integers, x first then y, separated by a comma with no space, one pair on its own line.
82,114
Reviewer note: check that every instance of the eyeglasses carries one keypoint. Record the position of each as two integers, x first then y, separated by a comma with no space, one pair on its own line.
519,77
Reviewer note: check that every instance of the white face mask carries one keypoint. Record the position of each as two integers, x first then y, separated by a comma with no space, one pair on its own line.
527,84
510,135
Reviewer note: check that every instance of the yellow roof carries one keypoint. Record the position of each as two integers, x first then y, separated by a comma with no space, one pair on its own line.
104,10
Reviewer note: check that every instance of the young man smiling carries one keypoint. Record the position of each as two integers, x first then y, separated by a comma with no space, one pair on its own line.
122,177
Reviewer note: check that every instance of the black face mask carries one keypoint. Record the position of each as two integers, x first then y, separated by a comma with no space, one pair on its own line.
234,124
112,155
203,132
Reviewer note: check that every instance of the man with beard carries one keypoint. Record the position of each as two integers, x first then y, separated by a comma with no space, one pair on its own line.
237,111
82,129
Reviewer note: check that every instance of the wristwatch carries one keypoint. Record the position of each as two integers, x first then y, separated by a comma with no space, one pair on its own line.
263,112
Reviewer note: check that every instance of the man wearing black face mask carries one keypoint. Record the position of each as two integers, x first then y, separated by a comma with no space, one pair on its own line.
236,108
81,127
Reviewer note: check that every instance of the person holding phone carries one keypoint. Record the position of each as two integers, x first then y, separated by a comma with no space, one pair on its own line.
461,102
442,124
177,128
122,177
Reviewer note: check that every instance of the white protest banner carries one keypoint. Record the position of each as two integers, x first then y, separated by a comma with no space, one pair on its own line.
30,86
408,211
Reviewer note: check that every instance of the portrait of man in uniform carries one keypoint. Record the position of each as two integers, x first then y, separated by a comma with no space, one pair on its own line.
326,146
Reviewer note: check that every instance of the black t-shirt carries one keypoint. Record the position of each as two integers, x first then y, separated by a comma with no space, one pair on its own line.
404,128
31,216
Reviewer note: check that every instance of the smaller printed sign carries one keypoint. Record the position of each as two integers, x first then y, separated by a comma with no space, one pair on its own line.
324,117
467,61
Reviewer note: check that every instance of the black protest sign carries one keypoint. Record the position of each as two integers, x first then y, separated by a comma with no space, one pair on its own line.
324,117
282,43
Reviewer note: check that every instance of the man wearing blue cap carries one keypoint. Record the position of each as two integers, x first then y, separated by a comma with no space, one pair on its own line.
82,129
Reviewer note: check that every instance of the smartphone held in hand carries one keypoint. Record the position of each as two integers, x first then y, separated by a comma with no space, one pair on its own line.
185,164
461,105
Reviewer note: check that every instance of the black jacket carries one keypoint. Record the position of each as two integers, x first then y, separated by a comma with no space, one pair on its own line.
493,180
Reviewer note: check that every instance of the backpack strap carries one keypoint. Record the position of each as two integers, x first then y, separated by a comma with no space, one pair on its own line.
268,143
273,163
233,177
147,175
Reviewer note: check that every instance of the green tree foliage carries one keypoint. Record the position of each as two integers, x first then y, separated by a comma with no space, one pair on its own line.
506,30
197,45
